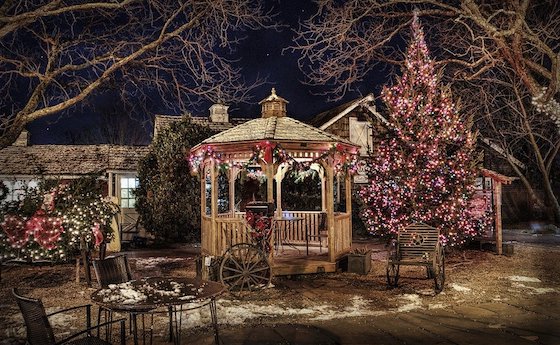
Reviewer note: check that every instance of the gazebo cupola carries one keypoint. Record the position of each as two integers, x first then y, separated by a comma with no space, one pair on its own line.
273,105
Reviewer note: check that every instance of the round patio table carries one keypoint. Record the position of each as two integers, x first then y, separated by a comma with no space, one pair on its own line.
143,296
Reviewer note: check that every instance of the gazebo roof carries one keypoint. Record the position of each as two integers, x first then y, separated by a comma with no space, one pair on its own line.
274,129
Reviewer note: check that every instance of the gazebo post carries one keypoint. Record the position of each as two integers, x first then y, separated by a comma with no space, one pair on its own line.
280,174
231,179
330,210
214,204
269,182
497,186
348,186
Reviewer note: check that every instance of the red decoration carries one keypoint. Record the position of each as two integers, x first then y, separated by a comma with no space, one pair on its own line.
97,233
15,227
45,230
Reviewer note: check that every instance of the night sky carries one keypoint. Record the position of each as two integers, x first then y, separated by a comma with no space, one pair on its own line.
260,55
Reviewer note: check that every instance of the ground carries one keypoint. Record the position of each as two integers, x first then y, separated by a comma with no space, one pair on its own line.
488,299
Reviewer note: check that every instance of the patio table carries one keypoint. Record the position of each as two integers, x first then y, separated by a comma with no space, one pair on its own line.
144,296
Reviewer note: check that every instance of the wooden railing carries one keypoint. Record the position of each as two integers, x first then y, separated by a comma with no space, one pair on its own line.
294,232
232,230
343,240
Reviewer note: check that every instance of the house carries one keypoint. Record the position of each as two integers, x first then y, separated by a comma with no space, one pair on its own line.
22,164
359,122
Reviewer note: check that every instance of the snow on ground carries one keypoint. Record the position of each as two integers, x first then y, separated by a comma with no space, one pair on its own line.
152,262
534,290
460,288
524,279
411,302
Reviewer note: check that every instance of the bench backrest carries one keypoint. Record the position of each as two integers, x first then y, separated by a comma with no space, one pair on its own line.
418,241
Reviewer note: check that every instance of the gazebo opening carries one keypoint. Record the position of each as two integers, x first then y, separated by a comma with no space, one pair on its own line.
302,172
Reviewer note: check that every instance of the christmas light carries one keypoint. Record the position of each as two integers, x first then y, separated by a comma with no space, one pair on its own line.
424,170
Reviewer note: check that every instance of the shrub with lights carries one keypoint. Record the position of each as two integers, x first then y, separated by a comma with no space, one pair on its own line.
425,167
168,197
55,221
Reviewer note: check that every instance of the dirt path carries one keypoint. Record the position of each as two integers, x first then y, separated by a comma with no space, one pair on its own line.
479,285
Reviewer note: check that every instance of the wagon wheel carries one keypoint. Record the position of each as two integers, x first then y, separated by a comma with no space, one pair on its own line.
392,268
244,268
439,269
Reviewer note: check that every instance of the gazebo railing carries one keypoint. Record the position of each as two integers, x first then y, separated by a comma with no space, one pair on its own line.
232,230
343,241
294,232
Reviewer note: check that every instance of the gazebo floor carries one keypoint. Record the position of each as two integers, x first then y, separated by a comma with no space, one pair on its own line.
293,261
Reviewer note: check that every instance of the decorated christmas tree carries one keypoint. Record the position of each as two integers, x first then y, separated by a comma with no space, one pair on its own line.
423,170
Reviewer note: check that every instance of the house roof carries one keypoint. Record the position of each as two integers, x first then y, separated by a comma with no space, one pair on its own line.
327,118
274,128
164,121
58,160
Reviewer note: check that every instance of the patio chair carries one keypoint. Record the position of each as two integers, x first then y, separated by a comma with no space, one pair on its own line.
112,270
40,332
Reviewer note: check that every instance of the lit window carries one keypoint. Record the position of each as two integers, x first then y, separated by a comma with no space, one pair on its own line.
128,185
16,188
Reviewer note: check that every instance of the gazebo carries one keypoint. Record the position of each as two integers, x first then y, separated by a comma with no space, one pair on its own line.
275,144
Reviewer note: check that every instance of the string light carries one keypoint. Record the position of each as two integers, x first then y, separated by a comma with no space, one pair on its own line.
66,215
424,170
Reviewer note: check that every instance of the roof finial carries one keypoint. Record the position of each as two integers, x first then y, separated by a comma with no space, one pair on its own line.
273,91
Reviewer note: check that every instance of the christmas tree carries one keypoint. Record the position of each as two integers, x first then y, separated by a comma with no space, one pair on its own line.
424,169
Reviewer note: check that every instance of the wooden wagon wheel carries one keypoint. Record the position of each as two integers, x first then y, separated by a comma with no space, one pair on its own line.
244,268
392,268
439,269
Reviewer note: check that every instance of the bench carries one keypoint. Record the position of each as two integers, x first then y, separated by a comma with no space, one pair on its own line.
417,245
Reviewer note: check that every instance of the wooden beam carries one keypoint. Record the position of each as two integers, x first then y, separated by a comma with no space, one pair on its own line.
213,204
348,185
232,175
330,211
498,214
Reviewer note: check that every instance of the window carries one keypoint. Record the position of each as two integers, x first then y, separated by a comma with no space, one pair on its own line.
128,185
16,188
361,134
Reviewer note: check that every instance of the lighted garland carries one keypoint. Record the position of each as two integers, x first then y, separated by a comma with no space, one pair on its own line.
66,217
274,153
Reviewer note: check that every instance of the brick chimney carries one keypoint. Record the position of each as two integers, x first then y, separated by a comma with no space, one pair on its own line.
22,139
219,113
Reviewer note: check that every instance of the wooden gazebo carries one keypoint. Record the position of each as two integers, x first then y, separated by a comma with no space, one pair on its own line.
276,143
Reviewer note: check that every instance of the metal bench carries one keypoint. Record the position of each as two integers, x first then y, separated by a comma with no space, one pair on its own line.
417,245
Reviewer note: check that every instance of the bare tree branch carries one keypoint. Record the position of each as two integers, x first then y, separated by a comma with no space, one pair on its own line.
56,55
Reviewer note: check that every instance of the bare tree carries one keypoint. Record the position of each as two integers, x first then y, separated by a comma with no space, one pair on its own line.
55,54
501,57
341,43
516,127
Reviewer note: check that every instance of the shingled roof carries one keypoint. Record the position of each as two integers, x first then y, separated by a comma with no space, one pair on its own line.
274,128
164,121
58,160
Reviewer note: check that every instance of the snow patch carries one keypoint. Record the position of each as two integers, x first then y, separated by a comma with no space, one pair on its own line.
152,262
413,301
460,288
535,291
437,306
524,279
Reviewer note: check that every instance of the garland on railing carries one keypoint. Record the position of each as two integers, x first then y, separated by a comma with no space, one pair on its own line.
267,152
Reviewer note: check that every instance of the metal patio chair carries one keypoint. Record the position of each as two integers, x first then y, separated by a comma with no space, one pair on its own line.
40,332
